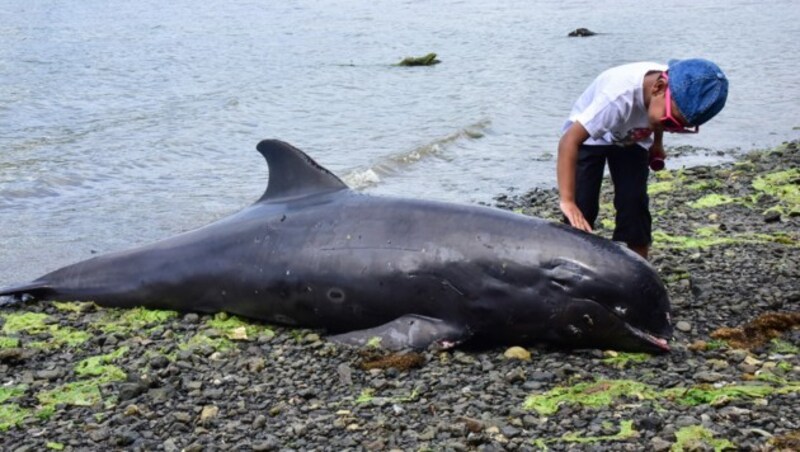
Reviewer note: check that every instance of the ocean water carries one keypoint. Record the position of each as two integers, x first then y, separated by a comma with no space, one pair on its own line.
126,122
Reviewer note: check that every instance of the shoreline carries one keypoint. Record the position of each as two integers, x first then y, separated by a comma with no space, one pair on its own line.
726,243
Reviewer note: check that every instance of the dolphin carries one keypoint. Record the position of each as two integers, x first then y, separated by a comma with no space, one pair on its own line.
406,272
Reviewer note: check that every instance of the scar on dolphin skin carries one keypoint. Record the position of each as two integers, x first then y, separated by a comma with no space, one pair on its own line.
421,272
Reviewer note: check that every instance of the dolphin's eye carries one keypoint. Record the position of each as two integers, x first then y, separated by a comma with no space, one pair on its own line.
620,310
588,319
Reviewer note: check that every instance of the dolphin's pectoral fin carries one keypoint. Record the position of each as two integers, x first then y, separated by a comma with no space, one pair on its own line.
409,331
293,174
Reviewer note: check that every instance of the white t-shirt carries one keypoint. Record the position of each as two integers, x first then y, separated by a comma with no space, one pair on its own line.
612,108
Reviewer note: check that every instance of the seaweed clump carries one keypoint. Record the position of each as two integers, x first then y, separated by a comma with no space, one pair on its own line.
789,441
427,60
758,332
399,361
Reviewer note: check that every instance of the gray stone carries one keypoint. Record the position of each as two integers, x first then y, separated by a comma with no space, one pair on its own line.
659,445
270,443
49,374
191,318
708,377
170,446
686,421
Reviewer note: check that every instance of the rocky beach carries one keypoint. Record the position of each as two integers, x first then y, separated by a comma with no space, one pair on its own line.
726,243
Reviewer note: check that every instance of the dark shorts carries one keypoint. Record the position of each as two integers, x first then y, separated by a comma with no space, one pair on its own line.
629,170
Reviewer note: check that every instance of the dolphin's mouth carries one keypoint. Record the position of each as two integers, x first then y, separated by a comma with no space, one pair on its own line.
658,342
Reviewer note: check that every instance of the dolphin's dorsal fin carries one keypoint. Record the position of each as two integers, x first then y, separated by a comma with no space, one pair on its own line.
293,174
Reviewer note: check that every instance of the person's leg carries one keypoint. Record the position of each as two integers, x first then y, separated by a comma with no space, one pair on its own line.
588,179
629,170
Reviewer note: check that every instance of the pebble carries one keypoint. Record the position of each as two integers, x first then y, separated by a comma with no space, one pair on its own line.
184,417
708,377
170,446
159,362
49,374
269,444
517,353
683,326
686,421
660,445
208,413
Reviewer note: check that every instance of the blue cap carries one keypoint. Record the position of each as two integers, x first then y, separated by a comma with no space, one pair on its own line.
699,88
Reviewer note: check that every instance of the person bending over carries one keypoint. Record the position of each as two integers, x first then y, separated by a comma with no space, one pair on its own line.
621,119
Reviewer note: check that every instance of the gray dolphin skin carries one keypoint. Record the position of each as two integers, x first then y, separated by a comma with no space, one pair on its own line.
411,273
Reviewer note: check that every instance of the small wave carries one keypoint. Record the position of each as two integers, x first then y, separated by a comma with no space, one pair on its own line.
360,178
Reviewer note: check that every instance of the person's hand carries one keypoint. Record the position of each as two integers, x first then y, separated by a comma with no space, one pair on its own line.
657,151
575,216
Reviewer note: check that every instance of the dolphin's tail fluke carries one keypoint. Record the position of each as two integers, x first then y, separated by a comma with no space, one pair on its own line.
24,292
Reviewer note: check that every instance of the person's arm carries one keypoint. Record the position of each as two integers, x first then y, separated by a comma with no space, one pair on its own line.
568,146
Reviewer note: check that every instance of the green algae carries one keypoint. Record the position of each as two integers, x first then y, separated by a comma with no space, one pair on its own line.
73,306
201,340
78,393
36,323
541,443
707,231
11,415
676,275
621,360
374,342
52,445
660,187
626,431
608,224
592,394
234,327
86,391
704,185
782,185
127,320
100,366
9,392
783,347
716,344
662,239
606,207
770,378
68,336
709,395
60,336
693,437
603,393
8,342
366,396
28,322
425,60
706,239
712,200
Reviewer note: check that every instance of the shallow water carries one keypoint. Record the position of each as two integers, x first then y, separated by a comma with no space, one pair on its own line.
126,122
